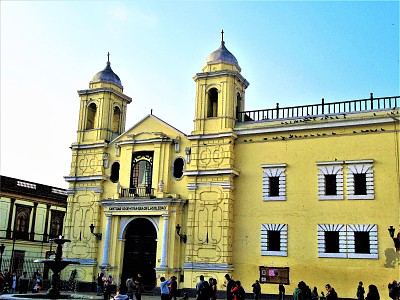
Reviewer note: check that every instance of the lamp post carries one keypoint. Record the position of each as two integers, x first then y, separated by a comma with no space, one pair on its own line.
183,237
97,235
396,240
1,254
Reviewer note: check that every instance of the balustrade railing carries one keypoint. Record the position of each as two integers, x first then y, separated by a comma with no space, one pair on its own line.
322,108
138,192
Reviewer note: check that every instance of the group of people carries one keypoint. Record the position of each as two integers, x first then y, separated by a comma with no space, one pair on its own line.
168,288
135,287
10,283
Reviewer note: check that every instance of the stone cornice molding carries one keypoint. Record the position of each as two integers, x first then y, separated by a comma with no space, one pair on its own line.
105,89
235,74
212,172
274,128
212,136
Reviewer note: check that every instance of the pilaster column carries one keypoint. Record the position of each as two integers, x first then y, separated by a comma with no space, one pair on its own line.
164,244
32,233
107,241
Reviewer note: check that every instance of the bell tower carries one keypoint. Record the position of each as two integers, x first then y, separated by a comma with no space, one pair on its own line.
102,114
220,91
102,117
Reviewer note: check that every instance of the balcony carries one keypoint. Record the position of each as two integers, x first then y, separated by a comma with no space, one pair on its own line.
322,108
138,192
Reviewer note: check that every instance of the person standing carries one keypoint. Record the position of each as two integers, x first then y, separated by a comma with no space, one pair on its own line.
13,280
107,287
23,283
131,287
314,293
215,289
229,283
360,291
393,290
238,291
139,287
331,293
173,288
99,286
164,288
257,290
281,290
373,293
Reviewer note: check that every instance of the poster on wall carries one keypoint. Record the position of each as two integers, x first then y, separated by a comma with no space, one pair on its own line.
274,275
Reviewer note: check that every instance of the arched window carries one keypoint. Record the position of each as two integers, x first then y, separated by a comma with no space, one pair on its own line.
116,119
114,177
239,105
142,171
212,108
177,167
91,116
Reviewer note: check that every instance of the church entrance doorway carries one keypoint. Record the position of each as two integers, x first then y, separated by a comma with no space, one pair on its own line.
140,252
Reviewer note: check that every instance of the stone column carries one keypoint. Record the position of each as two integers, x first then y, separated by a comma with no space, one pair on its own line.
164,244
107,241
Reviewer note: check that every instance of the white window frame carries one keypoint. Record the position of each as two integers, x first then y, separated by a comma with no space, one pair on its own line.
373,240
347,240
275,170
283,228
341,228
360,167
330,168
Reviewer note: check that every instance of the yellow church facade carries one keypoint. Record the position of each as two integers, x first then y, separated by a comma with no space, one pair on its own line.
280,195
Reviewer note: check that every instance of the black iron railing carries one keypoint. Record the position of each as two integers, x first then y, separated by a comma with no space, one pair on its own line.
322,108
138,192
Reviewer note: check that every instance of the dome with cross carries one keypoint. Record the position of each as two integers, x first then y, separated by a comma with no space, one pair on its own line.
107,75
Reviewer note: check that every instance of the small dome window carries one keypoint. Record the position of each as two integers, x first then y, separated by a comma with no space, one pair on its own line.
114,177
177,167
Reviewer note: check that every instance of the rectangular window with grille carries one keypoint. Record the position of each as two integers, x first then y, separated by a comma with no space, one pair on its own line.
332,241
330,185
273,186
361,242
274,240
360,184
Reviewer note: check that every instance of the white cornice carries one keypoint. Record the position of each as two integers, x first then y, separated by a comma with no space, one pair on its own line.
212,136
149,141
273,128
88,146
211,172
84,178
222,73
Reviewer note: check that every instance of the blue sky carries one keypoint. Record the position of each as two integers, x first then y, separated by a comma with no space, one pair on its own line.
293,53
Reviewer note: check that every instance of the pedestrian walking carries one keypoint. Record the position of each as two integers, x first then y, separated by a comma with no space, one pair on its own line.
331,293
360,291
164,288
373,293
256,290
281,290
